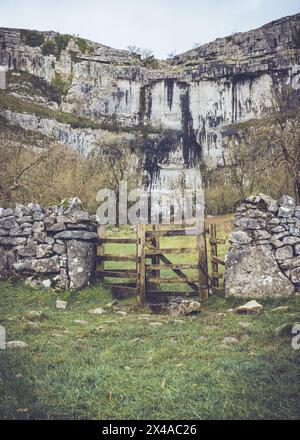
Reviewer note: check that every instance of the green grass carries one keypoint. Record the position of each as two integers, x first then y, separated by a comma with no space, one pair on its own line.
123,368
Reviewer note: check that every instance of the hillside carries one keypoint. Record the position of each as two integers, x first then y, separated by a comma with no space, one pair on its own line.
76,91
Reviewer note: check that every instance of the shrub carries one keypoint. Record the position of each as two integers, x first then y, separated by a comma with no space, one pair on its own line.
60,85
49,48
62,41
32,38
54,47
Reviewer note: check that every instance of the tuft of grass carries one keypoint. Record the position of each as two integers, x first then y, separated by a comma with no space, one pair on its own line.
123,368
84,45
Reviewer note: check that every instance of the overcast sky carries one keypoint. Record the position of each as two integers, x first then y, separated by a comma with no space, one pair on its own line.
164,26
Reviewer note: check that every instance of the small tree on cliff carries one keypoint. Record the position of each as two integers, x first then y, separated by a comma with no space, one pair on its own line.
283,133
267,154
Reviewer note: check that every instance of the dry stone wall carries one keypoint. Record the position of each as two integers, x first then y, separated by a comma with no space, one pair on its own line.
264,259
53,246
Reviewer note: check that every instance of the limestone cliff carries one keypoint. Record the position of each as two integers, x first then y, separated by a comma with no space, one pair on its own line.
177,109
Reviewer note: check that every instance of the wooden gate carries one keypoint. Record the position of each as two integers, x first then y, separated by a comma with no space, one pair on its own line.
155,266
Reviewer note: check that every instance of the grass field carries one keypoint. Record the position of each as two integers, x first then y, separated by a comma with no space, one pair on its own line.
145,366
141,365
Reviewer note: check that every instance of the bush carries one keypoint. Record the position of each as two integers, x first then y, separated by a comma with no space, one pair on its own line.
32,38
60,85
49,48
62,41
54,47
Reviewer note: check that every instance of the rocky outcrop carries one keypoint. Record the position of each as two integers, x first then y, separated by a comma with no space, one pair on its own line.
196,95
53,246
264,256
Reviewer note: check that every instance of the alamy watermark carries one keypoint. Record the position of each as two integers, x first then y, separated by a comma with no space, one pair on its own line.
137,206
2,78
296,339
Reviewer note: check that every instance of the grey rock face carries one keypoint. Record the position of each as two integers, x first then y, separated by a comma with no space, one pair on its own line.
13,241
6,212
44,250
28,251
77,235
284,253
295,275
254,272
271,260
7,222
42,266
81,263
240,237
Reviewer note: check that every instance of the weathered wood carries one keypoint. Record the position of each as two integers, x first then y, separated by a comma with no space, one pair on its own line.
217,260
171,233
108,257
178,272
178,280
150,267
202,262
100,251
118,240
214,253
156,244
141,284
152,252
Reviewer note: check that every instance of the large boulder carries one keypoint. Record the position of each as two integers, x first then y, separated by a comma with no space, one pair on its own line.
81,263
252,271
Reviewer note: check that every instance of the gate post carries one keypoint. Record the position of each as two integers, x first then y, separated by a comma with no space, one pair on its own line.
100,251
141,273
156,259
214,253
202,263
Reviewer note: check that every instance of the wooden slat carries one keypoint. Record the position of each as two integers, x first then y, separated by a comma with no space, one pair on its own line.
118,240
151,252
118,274
100,250
109,257
140,267
172,233
178,272
217,260
178,280
171,266
202,262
